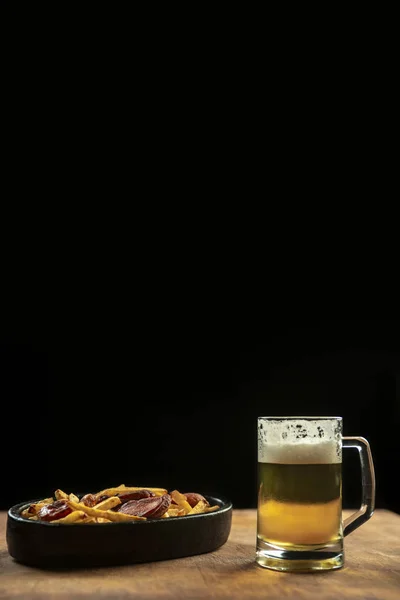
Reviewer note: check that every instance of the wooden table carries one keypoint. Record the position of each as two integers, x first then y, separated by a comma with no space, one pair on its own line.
371,572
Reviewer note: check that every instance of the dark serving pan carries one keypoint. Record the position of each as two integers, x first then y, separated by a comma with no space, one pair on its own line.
50,545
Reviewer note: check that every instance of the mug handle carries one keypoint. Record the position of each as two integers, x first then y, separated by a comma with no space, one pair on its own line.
368,484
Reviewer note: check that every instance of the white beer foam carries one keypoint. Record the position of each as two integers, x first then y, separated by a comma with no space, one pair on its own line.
299,440
309,453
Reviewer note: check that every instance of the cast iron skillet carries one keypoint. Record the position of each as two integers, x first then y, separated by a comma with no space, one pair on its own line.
49,545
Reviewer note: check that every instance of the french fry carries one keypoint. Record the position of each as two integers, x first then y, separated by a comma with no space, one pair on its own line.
181,501
122,488
105,514
101,520
60,495
76,515
111,491
109,503
198,508
212,508
33,509
45,501
176,512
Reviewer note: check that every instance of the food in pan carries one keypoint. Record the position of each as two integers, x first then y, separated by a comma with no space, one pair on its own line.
117,504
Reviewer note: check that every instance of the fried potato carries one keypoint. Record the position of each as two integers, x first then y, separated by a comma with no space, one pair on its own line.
198,508
111,491
105,514
92,520
181,501
122,488
176,512
60,495
211,508
110,502
33,509
76,515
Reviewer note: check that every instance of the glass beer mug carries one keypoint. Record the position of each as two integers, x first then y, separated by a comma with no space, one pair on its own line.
299,515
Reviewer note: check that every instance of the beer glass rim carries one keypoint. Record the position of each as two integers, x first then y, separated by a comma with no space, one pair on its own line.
302,417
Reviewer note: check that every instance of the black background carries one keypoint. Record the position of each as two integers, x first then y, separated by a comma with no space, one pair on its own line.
133,381
173,401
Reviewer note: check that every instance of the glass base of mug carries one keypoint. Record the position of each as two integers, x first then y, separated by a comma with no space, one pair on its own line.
303,559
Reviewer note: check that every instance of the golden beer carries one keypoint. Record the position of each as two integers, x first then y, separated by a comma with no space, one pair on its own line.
299,514
299,504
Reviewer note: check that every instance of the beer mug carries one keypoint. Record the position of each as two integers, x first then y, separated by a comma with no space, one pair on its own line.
299,515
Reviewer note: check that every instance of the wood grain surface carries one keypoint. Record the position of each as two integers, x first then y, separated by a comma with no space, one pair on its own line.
371,572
